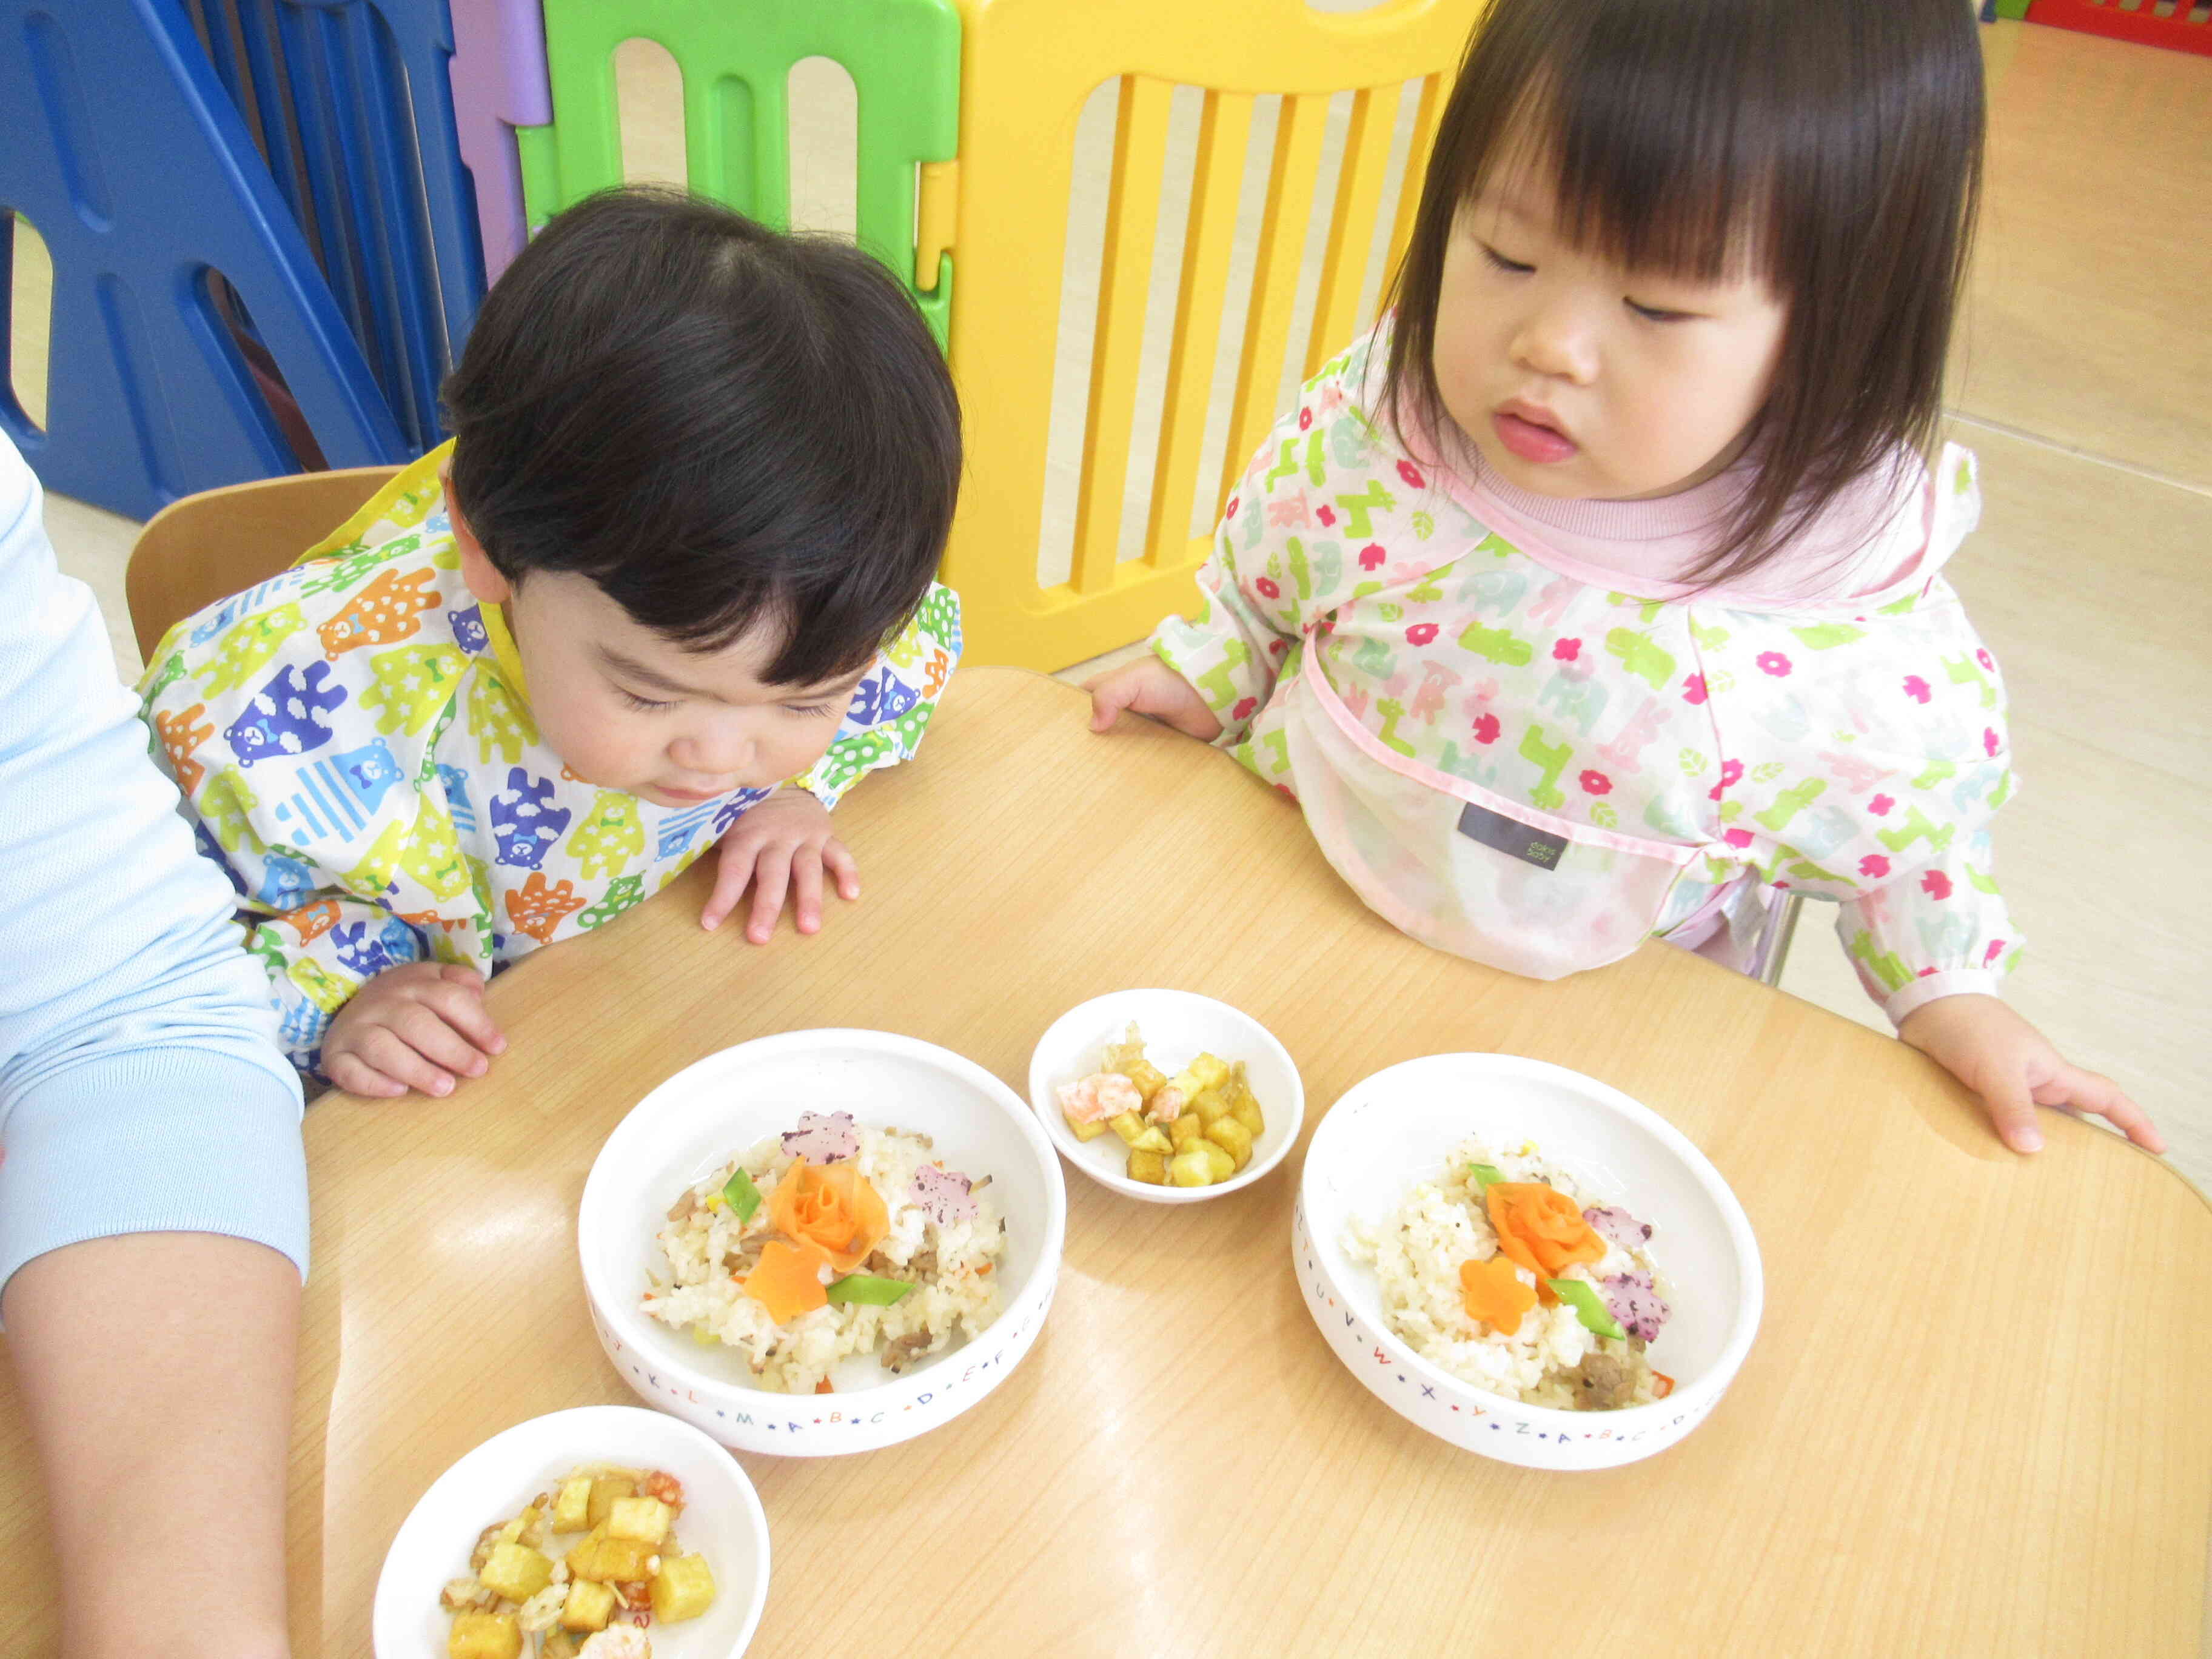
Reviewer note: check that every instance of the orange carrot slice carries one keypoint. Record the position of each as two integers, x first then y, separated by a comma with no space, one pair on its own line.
788,1280
833,1208
1540,1227
1493,1292
1661,1385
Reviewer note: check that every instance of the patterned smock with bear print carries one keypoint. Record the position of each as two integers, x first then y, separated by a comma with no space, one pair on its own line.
355,749
1537,765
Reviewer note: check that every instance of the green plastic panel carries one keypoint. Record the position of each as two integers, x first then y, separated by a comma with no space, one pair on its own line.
736,58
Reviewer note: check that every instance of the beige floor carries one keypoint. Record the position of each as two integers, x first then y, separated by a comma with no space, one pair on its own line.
2084,380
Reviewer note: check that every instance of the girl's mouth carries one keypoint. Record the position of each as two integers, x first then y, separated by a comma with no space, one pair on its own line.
1531,434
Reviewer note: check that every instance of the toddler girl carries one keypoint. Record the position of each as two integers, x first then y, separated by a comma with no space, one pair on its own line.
1596,594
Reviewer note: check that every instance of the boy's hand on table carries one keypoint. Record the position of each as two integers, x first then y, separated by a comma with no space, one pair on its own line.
780,847
420,1026
2013,1068
1149,686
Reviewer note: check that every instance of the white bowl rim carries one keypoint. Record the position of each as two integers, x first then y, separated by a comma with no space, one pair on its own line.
1750,1306
627,1322
458,1472
1055,1126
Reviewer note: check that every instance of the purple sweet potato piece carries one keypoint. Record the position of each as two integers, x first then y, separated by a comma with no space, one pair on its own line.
1635,1305
945,1193
1616,1224
820,1139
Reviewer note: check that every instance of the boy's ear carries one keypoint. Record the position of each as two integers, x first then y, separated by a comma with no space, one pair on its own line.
482,577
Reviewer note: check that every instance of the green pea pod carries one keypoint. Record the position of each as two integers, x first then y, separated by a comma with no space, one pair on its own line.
1588,1306
868,1289
741,1195
1487,1176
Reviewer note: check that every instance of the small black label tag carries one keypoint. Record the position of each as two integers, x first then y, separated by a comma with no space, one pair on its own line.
1510,836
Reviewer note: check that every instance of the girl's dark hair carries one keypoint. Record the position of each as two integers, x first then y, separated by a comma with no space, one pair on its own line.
1833,146
719,425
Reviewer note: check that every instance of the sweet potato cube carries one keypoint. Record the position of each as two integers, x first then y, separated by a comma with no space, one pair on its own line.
572,1506
1129,1125
516,1572
485,1636
683,1589
642,1518
1191,1169
1211,1105
1232,1138
1152,1168
589,1606
606,1561
1184,1130
1148,1078
606,1489
1154,1139
1085,1131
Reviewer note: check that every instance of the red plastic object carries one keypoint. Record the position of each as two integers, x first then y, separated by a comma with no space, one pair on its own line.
2144,27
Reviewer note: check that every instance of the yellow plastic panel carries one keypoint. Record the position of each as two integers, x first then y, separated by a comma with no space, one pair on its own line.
1027,67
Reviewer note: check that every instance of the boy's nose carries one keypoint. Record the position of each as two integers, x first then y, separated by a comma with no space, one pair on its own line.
715,753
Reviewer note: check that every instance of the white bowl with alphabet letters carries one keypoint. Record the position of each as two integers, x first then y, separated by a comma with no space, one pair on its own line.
692,1124
1397,1127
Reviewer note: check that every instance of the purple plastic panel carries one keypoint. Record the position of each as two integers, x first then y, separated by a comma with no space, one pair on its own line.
499,83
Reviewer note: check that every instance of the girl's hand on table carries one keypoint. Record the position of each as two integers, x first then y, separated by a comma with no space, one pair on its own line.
420,1026
782,845
2013,1068
1149,686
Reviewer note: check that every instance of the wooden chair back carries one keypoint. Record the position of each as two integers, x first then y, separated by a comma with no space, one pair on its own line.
218,543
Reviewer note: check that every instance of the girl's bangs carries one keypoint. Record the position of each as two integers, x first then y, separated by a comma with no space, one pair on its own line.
1659,165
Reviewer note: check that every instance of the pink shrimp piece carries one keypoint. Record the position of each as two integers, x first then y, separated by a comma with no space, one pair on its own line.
1099,1096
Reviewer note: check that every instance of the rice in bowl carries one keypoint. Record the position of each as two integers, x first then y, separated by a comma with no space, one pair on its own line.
759,1257
1439,1252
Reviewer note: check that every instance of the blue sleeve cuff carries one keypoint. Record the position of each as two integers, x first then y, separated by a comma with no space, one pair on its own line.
162,1139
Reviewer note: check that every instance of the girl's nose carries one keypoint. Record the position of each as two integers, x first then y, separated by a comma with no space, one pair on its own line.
1556,342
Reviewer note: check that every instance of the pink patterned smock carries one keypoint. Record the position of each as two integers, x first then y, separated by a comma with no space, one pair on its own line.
1526,759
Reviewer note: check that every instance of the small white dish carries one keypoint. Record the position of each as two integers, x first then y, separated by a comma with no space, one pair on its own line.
1395,1127
721,1520
690,1126
1177,1027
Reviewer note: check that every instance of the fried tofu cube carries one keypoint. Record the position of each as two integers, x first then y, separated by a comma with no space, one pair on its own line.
572,1505
516,1572
1232,1138
1085,1131
683,1589
642,1518
588,1608
485,1636
1150,1168
606,1489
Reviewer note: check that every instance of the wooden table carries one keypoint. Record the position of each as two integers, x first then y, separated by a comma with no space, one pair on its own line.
1974,1421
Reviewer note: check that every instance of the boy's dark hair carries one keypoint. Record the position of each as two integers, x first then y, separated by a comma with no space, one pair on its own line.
719,425
1832,146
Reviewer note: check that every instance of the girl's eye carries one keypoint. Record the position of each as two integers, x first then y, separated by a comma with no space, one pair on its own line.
1654,313
1499,262
812,708
643,705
